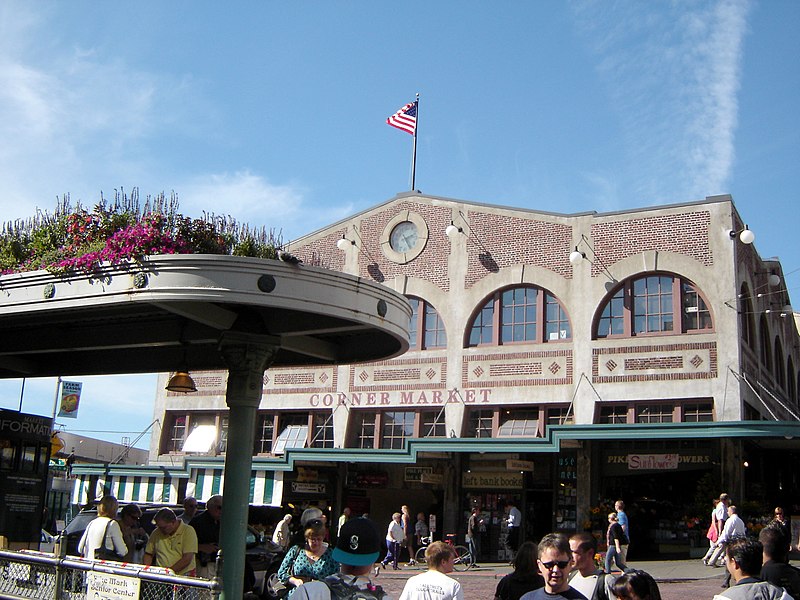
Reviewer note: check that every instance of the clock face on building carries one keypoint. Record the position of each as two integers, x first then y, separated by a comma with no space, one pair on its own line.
404,237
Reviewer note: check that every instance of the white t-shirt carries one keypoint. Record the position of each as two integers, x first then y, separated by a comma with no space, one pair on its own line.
93,537
432,585
586,585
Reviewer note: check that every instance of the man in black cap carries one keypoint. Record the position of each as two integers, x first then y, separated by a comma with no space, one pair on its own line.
357,549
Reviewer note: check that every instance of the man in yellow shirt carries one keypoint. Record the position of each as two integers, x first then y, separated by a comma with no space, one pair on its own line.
173,544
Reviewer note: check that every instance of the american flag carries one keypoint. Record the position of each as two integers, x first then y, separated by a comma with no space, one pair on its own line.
405,118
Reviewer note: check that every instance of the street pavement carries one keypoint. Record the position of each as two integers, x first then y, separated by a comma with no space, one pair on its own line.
677,579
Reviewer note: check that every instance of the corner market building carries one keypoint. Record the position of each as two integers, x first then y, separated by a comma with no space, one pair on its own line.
557,361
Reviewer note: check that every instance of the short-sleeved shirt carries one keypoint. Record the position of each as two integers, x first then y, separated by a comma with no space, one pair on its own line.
541,594
432,585
169,549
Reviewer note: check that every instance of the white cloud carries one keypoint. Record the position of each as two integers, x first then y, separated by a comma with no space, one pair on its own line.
672,71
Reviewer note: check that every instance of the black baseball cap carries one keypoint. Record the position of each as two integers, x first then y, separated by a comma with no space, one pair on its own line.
359,543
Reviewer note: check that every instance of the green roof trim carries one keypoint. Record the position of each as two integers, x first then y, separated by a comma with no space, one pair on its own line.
550,443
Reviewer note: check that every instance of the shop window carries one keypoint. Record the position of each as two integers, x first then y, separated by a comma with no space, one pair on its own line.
426,330
432,424
323,431
700,412
747,316
177,433
653,305
201,440
519,423
612,414
562,415
265,433
766,355
365,430
222,446
292,436
655,413
523,314
395,428
7,455
481,423
780,374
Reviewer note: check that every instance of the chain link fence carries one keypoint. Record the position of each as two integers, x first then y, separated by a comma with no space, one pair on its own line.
27,574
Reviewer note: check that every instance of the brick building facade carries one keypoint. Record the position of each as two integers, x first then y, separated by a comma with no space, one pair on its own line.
558,361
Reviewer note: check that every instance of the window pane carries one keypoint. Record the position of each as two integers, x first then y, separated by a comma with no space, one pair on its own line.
412,327
480,423
481,331
519,423
432,424
323,431
519,315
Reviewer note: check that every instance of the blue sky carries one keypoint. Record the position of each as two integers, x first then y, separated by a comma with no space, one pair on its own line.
274,113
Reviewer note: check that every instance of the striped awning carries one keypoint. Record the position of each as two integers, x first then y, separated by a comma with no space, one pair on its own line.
266,487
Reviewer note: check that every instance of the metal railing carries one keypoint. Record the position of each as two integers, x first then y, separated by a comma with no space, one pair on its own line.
29,574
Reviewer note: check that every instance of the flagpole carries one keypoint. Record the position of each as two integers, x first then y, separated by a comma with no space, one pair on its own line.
414,152
55,400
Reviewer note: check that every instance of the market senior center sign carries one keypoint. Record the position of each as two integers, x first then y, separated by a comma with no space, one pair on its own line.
104,586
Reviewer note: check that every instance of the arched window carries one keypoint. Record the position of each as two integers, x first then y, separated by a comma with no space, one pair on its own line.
766,354
791,385
523,314
748,322
426,330
654,304
780,374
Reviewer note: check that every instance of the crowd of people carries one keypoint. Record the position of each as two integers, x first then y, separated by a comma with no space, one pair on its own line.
559,567
188,545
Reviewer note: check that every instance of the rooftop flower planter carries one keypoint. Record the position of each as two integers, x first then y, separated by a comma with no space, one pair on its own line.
141,311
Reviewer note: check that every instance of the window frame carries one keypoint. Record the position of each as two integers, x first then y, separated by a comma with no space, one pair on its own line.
619,306
488,326
426,321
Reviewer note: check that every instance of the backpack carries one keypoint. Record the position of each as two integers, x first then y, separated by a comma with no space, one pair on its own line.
341,590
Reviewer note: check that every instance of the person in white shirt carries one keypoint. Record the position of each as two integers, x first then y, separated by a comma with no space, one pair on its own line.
394,536
734,528
514,522
104,531
357,548
282,535
434,584
590,581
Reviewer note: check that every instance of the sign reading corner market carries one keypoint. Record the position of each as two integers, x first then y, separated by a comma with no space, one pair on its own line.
401,398
618,463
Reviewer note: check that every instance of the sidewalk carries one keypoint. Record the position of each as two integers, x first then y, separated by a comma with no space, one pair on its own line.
678,579
661,570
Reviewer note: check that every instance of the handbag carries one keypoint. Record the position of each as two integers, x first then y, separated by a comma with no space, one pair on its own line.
104,553
712,534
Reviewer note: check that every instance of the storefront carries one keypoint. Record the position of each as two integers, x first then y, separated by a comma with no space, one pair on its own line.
668,487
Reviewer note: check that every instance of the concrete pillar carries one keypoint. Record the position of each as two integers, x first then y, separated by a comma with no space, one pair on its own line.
247,357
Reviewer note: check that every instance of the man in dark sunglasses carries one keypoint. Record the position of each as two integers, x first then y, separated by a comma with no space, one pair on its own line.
555,563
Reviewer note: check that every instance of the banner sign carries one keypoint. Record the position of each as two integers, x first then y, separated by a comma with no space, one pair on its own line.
415,473
496,481
70,399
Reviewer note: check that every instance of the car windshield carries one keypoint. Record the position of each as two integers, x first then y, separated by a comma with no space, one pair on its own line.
80,522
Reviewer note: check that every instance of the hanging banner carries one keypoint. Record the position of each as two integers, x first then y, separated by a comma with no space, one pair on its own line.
70,399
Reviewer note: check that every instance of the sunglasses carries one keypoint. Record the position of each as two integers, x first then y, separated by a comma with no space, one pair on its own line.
561,564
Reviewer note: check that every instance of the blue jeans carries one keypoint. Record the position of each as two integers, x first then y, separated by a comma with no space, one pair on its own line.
612,555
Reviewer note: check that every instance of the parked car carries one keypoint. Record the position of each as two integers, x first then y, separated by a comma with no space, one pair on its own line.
47,542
